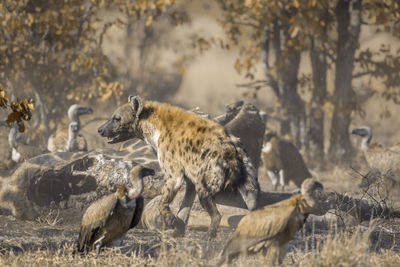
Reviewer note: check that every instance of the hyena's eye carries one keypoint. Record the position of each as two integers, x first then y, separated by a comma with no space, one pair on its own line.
117,118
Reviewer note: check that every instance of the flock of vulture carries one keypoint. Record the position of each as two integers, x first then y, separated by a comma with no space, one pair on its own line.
264,230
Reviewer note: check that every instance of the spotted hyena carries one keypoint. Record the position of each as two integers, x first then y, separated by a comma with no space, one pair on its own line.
189,148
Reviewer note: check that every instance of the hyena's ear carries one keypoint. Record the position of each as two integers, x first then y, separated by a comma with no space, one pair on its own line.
136,103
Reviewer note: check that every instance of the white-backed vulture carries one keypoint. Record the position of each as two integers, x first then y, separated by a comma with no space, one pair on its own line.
58,141
270,228
106,220
376,155
76,142
283,162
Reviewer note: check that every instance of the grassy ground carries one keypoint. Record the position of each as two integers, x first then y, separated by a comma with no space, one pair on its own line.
334,240
350,247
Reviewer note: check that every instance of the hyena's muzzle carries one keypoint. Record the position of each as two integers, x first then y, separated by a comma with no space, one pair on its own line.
114,132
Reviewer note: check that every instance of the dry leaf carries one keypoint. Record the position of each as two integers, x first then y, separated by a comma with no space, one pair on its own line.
27,105
21,126
295,31
13,117
149,21
3,101
14,106
107,95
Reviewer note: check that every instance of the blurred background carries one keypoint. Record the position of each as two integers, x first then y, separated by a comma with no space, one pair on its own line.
317,68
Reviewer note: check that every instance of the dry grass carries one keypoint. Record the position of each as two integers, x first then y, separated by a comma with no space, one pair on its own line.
65,258
51,218
168,255
50,240
349,248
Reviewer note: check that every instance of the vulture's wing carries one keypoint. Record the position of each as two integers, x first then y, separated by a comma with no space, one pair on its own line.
138,212
94,219
82,144
382,159
294,165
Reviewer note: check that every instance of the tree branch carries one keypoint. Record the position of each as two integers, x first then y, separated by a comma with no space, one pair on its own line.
361,74
254,84
81,22
243,23
271,82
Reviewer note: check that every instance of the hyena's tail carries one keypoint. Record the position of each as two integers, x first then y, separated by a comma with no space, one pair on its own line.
247,182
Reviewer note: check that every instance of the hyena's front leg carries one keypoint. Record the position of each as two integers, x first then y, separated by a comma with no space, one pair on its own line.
187,202
186,205
168,194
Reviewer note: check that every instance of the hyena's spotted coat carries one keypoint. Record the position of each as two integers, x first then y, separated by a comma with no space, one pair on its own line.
189,148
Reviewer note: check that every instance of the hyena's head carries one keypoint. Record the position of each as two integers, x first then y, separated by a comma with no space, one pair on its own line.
123,123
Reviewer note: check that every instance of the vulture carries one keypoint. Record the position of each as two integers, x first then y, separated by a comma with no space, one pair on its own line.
376,155
58,141
283,162
106,220
76,142
271,227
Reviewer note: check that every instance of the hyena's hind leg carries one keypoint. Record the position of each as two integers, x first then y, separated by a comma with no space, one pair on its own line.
208,203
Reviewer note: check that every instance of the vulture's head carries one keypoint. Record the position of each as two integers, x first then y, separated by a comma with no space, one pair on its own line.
315,196
76,110
362,131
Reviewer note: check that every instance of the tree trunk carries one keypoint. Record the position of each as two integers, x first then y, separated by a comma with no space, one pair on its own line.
284,83
348,28
316,117
290,99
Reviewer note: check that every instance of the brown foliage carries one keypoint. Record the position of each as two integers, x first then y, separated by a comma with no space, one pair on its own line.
55,47
21,110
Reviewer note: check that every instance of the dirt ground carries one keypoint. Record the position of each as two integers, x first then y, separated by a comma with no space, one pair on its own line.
45,244
50,240
58,231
